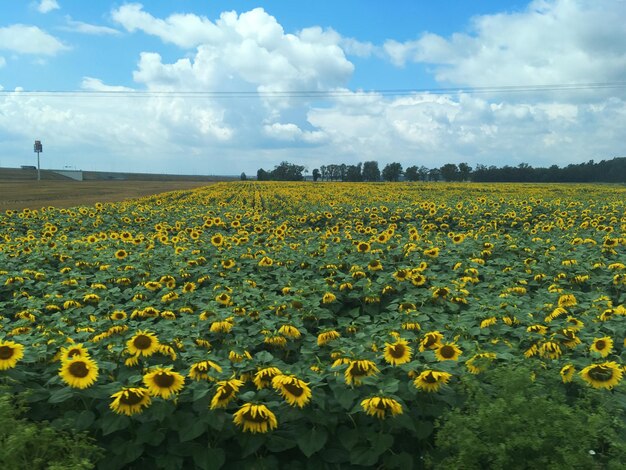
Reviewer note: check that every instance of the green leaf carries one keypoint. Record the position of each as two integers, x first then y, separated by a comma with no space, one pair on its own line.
277,443
84,420
191,430
380,442
363,456
312,440
61,395
250,444
348,437
208,458
401,461
423,429
112,422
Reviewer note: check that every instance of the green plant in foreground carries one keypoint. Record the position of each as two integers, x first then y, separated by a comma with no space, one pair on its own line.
25,444
513,421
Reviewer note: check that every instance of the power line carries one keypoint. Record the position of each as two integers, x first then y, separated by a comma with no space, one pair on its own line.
318,94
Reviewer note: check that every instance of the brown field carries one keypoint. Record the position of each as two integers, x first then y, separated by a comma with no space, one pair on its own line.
36,194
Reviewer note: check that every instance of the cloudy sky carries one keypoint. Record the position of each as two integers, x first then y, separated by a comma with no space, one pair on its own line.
221,87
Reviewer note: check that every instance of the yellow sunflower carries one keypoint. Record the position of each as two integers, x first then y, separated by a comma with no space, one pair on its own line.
121,254
602,346
327,337
358,369
431,380
225,393
431,340
130,401
398,353
448,352
255,418
163,382
263,378
143,343
79,372
567,373
606,375
381,407
295,391
10,353
75,350
201,370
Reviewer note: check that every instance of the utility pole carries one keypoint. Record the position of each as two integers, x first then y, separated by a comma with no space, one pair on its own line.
38,149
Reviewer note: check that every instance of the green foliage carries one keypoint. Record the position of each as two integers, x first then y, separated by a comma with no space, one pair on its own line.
510,421
25,444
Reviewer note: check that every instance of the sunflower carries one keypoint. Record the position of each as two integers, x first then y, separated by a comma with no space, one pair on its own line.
398,353
221,326
431,380
118,315
363,247
163,382
130,401
381,407
431,340
143,343
295,391
605,375
289,331
217,240
567,373
448,352
10,353
225,393
255,418
121,254
550,350
602,346
79,372
357,369
327,337
200,370
567,300
479,362
75,350
328,298
223,299
263,378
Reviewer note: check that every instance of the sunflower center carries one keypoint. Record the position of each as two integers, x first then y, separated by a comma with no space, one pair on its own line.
164,380
79,369
142,342
381,405
6,352
357,371
258,418
226,391
601,374
131,398
397,351
294,390
447,351
430,378
600,344
429,340
73,352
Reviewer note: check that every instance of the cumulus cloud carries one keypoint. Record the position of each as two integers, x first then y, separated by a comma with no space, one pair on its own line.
86,28
27,39
46,6
551,41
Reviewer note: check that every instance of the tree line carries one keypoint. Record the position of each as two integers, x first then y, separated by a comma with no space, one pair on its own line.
608,171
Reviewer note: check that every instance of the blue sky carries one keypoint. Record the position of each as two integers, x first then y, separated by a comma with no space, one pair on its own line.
350,50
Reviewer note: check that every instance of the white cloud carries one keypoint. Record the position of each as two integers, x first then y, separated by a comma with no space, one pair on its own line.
46,6
551,41
86,28
27,39
95,84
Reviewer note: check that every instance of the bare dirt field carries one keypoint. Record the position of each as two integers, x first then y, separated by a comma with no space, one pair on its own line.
37,194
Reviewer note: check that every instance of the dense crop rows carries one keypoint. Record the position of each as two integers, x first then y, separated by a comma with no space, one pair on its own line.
249,320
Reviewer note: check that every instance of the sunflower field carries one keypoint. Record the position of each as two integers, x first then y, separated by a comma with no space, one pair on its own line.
271,325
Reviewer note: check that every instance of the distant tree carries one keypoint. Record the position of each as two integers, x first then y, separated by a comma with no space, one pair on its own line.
449,172
411,174
464,171
392,172
262,175
434,174
423,172
371,171
353,173
343,169
288,172
243,177
316,174
323,174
